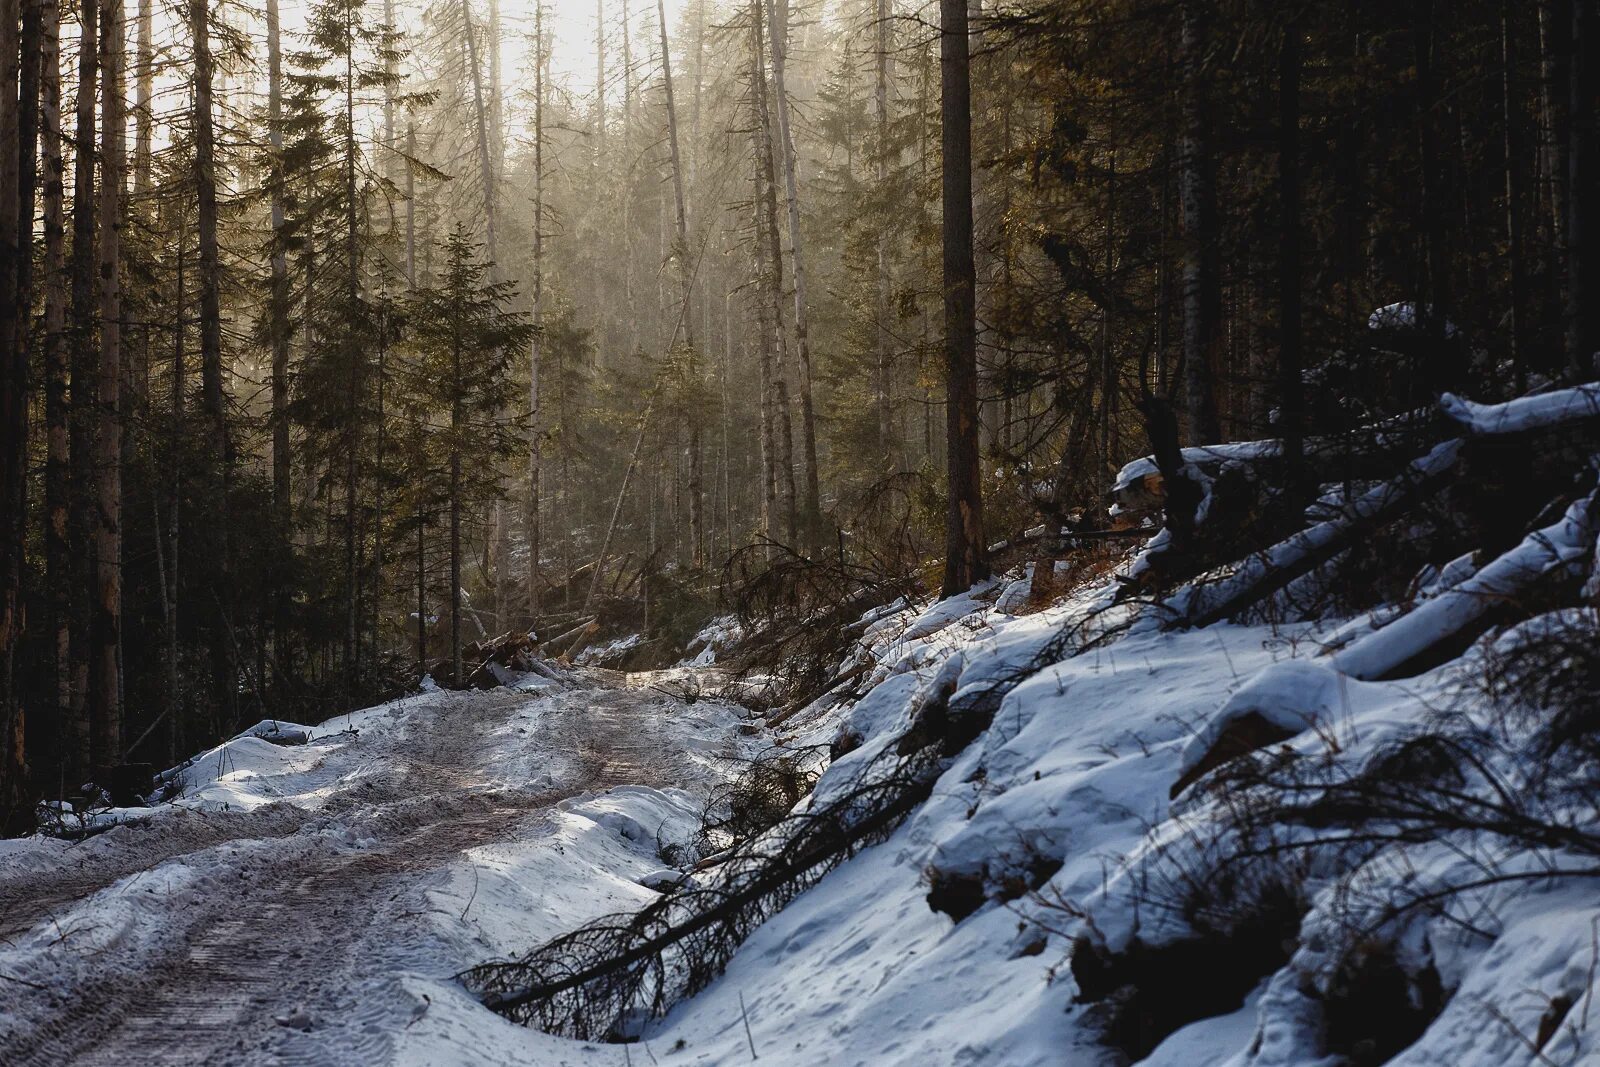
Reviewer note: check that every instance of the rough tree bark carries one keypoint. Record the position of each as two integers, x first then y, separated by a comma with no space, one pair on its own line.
57,474
965,561
83,358
1197,193
535,347
13,420
1289,386
105,675
278,329
209,280
810,504
1583,186
767,232
697,518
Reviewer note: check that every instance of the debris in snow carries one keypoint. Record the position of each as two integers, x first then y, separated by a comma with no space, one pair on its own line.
1402,316
1544,410
298,1019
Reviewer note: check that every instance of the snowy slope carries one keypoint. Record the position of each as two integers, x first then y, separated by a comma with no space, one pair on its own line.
1061,812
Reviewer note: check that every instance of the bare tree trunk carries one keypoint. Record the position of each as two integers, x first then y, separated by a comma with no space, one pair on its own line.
1289,385
278,330
1514,161
1583,187
180,387
697,518
209,271
13,421
535,353
767,230
599,79
84,355
1554,28
57,475
485,159
105,665
20,186
411,206
965,561
144,99
810,506
1197,192
882,385
457,425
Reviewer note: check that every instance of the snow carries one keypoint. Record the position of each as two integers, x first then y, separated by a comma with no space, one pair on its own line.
1232,452
1563,544
1524,413
490,823
1402,316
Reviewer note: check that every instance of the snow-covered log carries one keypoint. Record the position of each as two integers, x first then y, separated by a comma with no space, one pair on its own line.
1263,574
1565,544
1524,414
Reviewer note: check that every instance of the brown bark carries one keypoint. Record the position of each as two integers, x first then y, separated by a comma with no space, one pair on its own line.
767,232
57,490
697,519
209,280
1202,292
13,419
535,352
810,503
1583,187
965,561
79,749
105,680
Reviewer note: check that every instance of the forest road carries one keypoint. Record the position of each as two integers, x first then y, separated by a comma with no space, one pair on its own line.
276,914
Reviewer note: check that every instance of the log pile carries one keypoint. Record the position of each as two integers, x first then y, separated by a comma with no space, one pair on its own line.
496,660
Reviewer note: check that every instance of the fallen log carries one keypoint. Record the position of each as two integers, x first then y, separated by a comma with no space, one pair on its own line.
1263,574
1565,544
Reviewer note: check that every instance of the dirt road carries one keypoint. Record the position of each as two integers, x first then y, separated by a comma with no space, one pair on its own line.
282,918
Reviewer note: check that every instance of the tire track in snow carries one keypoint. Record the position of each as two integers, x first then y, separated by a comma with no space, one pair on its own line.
294,902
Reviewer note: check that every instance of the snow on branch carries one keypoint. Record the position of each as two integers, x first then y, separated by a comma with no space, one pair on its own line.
1525,413
1565,544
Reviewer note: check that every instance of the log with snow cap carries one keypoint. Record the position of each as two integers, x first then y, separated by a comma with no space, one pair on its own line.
1564,545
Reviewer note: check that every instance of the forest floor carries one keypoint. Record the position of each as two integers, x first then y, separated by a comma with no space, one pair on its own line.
297,903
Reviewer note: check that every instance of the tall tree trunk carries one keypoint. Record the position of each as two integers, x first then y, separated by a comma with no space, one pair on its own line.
535,352
1202,291
209,270
105,681
485,157
13,420
1513,143
599,80
882,334
1555,26
144,102
1434,308
1289,386
355,354
810,506
1583,189
84,356
57,472
767,206
697,518
278,329
965,551
457,427
174,487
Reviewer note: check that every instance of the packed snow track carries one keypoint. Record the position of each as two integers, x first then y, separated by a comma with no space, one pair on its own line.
291,907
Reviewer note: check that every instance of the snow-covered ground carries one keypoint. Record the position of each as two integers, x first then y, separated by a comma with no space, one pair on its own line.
309,904
338,886
1062,812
